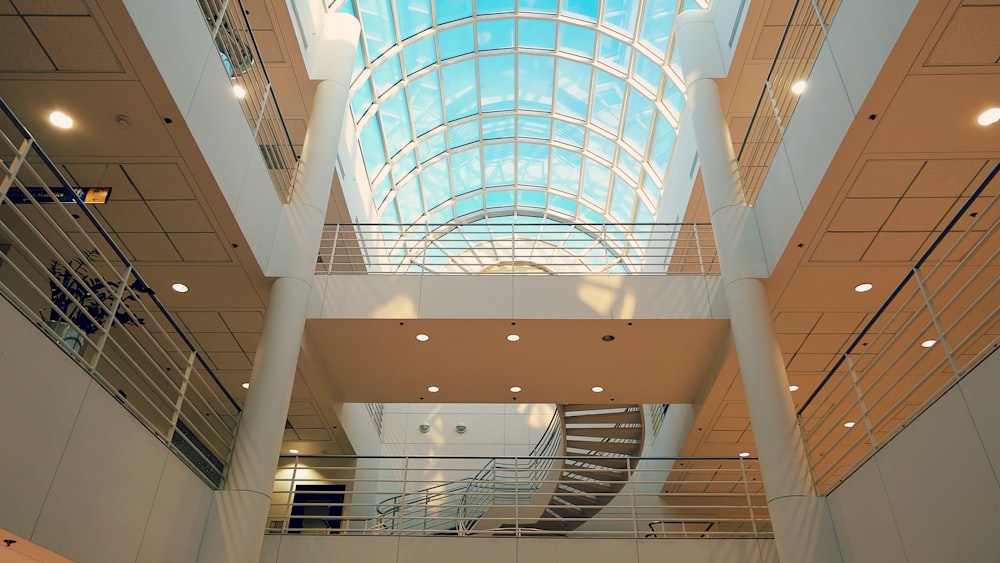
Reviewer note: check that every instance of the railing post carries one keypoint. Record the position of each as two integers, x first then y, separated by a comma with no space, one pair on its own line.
15,166
861,401
517,497
631,491
402,494
291,489
936,319
180,397
746,490
110,321
697,247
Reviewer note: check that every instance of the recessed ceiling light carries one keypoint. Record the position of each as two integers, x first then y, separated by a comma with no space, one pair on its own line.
989,117
863,287
799,87
513,338
849,424
597,389
793,388
928,343
293,451
179,288
515,389
433,388
246,385
240,91
60,120
423,337
744,454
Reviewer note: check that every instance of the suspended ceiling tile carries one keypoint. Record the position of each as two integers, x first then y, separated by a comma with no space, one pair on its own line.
297,132
810,362
75,43
918,214
105,176
52,7
270,47
885,178
256,11
301,408
248,341
181,216
244,321
839,323
792,323
6,7
821,343
732,424
306,421
842,247
150,247
790,342
19,51
200,247
313,434
971,38
723,437
767,42
129,217
895,246
217,342
862,214
87,175
199,321
159,181
945,178
733,409
229,360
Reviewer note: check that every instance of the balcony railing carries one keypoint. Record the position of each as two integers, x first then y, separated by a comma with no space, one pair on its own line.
664,498
230,28
64,272
800,43
938,324
519,248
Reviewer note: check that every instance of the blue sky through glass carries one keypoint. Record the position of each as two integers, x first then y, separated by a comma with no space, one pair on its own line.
561,111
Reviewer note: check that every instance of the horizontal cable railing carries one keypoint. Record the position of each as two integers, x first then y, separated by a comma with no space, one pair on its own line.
230,28
64,272
786,80
940,322
700,497
518,248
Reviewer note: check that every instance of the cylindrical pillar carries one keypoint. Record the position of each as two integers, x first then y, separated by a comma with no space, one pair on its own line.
802,525
237,519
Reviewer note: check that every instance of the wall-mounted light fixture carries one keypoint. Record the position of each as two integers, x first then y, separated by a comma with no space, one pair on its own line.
461,428
425,428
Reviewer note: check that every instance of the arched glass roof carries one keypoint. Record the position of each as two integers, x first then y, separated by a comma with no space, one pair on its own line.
556,110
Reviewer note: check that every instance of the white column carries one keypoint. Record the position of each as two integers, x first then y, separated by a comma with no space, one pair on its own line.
236,524
802,525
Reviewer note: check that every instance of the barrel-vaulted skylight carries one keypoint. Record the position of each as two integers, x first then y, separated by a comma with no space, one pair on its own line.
549,111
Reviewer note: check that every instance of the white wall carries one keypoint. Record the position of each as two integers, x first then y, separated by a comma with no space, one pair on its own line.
932,493
80,475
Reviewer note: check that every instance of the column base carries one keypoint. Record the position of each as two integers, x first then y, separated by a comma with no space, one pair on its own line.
806,530
234,530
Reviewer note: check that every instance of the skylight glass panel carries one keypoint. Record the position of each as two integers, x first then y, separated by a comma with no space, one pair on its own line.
495,34
504,109
536,34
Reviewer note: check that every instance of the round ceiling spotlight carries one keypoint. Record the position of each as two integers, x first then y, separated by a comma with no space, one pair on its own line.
433,388
744,454
799,87
597,389
423,338
989,117
513,338
239,91
608,337
515,389
863,287
928,343
245,385
849,424
179,288
793,388
60,120
293,451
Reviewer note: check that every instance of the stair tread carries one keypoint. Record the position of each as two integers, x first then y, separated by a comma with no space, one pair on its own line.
603,461
592,407
613,447
634,432
604,417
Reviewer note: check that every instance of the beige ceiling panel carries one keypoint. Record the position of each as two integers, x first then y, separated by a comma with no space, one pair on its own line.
810,362
885,178
842,247
257,14
229,360
150,247
6,7
121,187
736,424
301,408
790,342
821,343
52,7
200,247
306,421
313,434
217,342
159,181
895,246
723,437
296,130
19,51
732,409
182,216
198,321
971,38
767,42
244,321
918,214
248,341
862,214
271,51
129,217
802,323
839,323
945,178
284,80
75,43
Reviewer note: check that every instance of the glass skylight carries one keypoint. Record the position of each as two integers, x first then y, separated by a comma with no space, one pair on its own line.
561,111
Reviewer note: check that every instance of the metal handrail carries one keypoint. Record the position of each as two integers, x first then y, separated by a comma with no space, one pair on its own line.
99,309
885,378
522,247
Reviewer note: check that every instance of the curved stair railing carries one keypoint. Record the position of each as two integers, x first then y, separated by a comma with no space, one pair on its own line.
597,443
